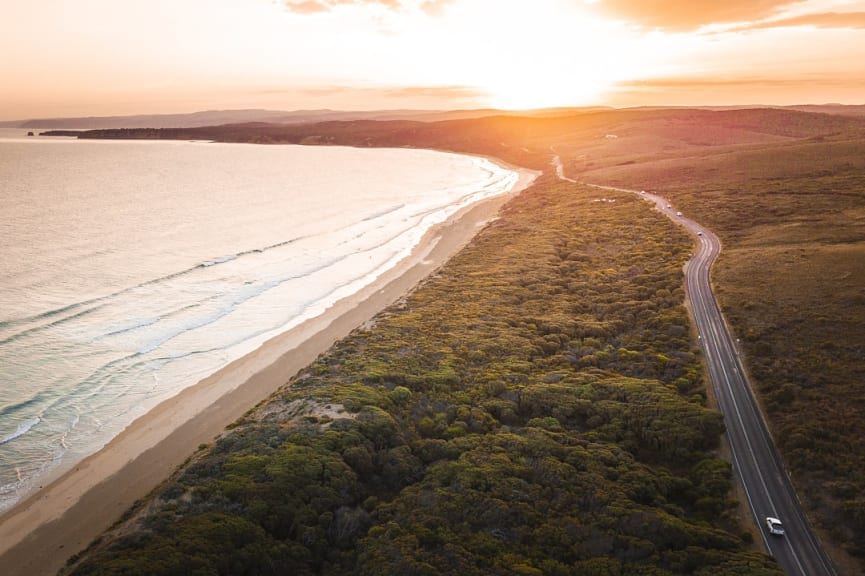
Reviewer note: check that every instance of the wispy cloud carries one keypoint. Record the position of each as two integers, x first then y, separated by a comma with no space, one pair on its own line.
683,15
744,82
318,6
396,92
444,92
834,20
307,7
739,90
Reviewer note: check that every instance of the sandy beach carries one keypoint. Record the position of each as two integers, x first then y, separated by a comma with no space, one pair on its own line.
38,535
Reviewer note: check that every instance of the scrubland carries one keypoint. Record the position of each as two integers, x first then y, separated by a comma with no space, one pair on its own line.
791,281
538,407
535,407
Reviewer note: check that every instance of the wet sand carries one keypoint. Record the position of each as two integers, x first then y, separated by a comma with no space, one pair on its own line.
38,535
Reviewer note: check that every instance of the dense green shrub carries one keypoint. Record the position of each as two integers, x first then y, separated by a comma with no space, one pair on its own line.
533,408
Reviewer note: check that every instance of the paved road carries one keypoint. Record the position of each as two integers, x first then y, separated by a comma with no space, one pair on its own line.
755,458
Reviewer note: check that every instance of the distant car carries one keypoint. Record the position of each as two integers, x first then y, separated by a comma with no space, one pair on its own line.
678,213
699,233
775,526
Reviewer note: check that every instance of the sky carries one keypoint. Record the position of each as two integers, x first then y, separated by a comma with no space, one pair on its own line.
110,57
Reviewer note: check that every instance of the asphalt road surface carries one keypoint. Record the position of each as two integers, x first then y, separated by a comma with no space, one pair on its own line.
755,457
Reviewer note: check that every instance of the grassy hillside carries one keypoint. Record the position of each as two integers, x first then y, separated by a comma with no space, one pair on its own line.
536,407
590,139
791,279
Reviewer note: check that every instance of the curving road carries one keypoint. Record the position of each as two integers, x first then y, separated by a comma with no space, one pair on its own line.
755,457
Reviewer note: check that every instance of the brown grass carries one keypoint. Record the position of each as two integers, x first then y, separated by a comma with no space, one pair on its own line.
791,281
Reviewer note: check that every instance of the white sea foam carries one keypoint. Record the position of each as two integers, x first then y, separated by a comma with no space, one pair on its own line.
22,429
131,270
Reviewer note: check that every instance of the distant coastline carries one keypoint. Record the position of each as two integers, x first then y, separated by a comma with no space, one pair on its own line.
240,116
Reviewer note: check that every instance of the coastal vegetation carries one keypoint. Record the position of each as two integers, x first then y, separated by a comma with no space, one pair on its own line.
783,190
791,216
537,406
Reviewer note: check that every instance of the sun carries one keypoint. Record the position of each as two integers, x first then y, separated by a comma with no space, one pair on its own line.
558,77
543,53
532,91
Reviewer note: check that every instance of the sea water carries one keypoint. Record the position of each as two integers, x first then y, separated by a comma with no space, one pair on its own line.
130,270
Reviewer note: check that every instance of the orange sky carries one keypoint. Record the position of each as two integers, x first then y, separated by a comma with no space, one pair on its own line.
104,57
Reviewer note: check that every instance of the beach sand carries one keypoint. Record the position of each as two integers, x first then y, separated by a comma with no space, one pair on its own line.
38,535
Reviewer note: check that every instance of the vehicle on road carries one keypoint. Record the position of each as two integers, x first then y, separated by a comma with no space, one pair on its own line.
775,526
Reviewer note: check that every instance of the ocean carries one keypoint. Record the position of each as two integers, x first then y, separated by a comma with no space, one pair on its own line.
130,270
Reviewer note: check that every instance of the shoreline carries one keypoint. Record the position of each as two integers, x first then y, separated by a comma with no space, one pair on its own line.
55,522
